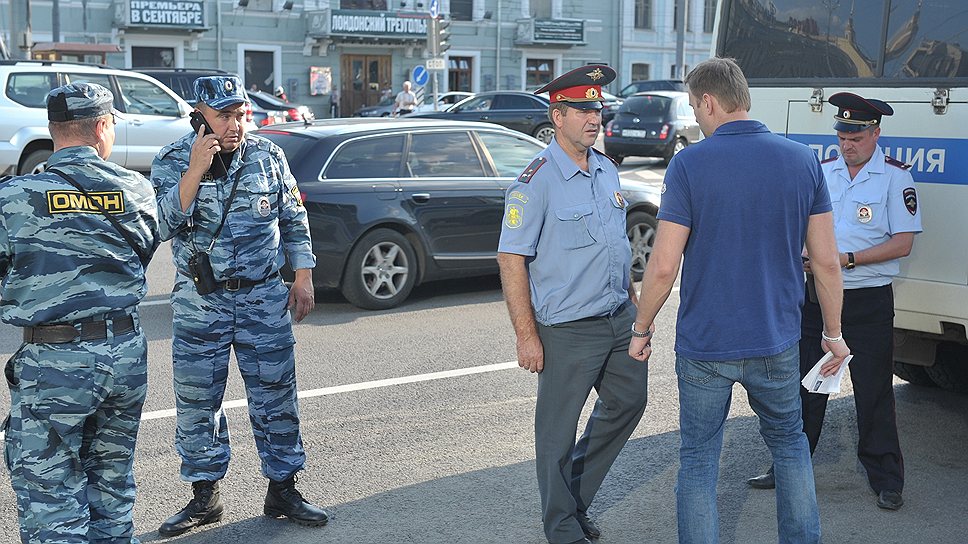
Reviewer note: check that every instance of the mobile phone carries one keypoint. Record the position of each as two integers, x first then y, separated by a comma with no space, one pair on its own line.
218,169
198,121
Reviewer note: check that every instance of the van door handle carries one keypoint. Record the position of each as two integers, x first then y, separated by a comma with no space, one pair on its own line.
420,197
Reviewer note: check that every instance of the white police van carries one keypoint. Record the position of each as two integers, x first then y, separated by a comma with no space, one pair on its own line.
912,54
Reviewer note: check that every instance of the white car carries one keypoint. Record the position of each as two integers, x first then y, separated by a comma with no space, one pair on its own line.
152,115
444,100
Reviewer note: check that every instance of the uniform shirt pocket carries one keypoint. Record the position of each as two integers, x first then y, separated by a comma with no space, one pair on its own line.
573,226
866,210
264,206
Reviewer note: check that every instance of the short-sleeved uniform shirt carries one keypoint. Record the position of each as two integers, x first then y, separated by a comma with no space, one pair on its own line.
570,224
879,202
746,195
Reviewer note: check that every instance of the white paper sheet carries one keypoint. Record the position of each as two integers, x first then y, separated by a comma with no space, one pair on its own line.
815,383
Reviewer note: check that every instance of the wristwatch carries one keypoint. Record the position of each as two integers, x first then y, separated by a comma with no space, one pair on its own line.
638,334
850,261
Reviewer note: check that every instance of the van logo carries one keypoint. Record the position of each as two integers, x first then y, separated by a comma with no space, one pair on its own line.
77,202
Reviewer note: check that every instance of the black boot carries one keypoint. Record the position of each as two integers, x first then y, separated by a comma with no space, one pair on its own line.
283,500
205,507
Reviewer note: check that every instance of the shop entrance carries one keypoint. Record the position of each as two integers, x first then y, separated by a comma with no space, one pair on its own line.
365,80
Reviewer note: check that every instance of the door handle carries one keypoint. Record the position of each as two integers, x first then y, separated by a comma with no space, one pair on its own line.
484,117
136,122
530,116
420,197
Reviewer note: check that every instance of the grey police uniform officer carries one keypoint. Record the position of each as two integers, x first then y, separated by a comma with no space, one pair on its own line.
247,311
871,206
566,226
73,281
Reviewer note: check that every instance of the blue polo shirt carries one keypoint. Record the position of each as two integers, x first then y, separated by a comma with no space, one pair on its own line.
746,194
570,224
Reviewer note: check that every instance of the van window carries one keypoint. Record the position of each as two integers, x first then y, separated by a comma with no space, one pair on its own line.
30,89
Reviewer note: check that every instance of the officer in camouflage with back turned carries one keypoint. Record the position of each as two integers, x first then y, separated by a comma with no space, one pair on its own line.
73,281
256,198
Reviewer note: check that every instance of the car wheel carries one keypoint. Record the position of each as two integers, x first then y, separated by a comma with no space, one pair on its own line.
36,162
381,271
915,374
640,227
545,133
950,368
677,146
385,114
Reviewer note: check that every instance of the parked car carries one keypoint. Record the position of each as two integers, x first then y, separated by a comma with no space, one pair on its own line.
393,203
610,105
182,82
444,101
294,112
517,110
383,109
652,85
154,116
657,124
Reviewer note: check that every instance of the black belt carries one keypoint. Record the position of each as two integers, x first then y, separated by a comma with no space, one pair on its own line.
234,284
67,333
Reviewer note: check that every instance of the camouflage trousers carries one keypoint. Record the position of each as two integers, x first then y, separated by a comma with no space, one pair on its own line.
255,323
70,438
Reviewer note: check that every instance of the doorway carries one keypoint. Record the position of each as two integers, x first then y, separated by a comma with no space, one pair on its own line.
365,81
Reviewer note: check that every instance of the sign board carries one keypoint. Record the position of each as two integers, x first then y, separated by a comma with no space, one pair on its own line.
434,8
181,13
435,64
559,31
359,23
420,75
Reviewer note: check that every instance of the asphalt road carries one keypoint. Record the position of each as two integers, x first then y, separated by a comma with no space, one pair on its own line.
418,429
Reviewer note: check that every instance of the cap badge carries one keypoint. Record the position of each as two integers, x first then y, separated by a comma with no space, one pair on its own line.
864,214
846,114
596,74
228,85
591,93
560,97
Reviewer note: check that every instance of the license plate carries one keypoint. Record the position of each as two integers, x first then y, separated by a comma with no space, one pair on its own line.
632,133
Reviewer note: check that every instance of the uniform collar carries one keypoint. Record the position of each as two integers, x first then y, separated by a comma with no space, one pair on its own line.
567,166
80,154
743,126
875,165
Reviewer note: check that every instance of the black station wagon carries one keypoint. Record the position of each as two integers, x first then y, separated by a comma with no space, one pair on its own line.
397,202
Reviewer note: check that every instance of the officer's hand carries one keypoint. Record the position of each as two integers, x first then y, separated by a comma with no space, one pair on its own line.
301,294
640,349
840,351
531,353
203,150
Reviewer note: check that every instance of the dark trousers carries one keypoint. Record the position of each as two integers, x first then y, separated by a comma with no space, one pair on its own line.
578,356
868,328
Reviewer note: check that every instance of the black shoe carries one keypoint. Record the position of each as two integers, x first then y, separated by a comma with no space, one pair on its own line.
205,507
889,500
587,525
763,481
283,500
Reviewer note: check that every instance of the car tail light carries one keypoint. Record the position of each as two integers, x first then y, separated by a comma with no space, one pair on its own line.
268,120
294,114
302,197
608,128
665,132
248,112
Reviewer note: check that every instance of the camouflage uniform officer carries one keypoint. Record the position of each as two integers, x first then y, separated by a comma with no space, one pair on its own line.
247,311
73,282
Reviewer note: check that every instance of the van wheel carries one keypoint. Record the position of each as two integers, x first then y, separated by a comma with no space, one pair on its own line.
950,369
381,271
913,374
36,162
640,227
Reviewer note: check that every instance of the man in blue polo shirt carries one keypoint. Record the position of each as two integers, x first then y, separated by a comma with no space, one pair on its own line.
737,209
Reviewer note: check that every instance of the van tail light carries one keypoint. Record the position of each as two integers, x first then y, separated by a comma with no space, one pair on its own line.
294,114
665,132
608,128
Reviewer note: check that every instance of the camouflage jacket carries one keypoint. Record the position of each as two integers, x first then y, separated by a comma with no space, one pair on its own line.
60,258
266,222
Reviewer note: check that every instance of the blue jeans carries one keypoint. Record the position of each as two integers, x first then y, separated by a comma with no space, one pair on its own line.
773,386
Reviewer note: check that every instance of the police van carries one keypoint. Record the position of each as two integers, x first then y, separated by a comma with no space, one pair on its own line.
912,54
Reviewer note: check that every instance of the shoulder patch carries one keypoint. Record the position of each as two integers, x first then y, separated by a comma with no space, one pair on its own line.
532,168
894,162
831,159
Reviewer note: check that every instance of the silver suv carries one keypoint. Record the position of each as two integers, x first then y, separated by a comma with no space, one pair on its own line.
154,116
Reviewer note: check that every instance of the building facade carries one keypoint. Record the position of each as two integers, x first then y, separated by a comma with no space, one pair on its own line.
339,55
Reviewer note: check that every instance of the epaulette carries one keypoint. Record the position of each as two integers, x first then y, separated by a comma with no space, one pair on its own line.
606,155
894,162
166,151
831,159
532,168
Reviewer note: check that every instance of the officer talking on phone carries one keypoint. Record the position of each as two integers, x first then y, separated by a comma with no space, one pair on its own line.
230,206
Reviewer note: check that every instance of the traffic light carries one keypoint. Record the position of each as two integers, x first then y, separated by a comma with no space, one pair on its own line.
438,36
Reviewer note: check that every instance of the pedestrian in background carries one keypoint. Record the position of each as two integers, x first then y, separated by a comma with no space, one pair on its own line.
406,101
74,244
228,295
743,326
876,216
566,273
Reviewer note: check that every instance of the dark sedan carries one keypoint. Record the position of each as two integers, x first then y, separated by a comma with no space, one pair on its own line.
397,202
517,110
656,124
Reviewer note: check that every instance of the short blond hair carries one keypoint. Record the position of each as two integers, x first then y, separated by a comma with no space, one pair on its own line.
722,78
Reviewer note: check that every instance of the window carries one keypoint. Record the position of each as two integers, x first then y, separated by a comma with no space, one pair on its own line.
478,103
152,57
30,89
640,71
379,5
459,73
101,79
708,16
540,9
539,72
461,10
675,15
367,158
144,97
515,102
643,14
651,106
443,154
674,75
258,70
509,153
